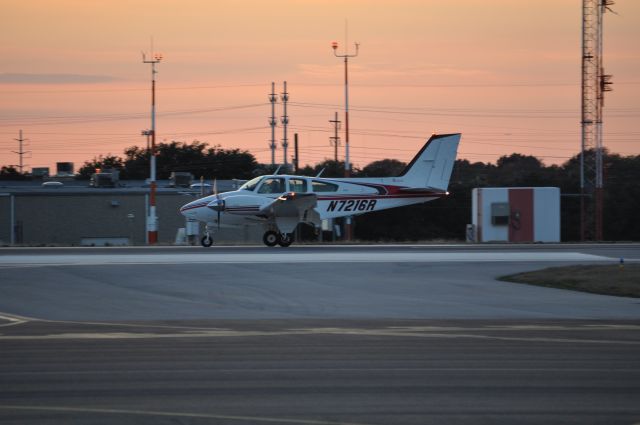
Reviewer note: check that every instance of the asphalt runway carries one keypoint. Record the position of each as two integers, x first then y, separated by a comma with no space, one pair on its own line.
405,334
323,282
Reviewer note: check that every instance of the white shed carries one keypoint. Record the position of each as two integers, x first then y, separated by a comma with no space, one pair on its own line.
516,214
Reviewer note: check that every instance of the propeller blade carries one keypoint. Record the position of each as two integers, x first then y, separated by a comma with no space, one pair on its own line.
215,190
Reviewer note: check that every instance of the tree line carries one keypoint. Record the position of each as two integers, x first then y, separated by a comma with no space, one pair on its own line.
445,218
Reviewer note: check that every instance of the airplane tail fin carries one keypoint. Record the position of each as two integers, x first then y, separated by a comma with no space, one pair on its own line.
431,167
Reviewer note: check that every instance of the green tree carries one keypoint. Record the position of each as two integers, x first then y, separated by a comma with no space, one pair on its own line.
621,197
383,168
517,170
9,172
195,157
331,168
100,163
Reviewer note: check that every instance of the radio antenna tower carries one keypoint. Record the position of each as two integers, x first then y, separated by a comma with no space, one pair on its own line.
272,122
594,83
285,123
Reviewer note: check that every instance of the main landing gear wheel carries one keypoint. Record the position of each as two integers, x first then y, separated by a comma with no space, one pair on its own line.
206,241
271,238
285,240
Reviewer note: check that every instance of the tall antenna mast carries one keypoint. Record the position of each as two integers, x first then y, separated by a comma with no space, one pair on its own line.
152,220
594,83
285,123
346,56
272,122
347,163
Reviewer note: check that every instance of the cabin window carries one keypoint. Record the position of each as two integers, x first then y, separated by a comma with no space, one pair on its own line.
319,186
297,185
272,185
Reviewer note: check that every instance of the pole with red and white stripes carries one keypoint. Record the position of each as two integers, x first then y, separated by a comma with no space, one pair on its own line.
152,219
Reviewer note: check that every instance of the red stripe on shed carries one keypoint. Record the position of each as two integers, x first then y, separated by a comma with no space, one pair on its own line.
521,220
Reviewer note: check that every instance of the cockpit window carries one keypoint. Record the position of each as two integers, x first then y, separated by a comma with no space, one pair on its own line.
319,186
251,184
272,185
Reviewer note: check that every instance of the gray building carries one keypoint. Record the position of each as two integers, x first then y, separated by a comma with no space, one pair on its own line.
75,214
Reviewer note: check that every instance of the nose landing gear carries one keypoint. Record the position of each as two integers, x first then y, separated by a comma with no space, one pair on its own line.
206,240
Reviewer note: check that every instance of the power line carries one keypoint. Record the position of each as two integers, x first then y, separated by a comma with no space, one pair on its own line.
117,117
307,84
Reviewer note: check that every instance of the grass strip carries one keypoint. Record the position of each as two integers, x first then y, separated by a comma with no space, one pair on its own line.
616,280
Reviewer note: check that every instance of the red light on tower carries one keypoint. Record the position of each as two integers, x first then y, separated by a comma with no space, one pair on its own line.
334,45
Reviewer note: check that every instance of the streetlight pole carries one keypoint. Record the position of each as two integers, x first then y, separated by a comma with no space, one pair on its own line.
346,56
152,219
347,164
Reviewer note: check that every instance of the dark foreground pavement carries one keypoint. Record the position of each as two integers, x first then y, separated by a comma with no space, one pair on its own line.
321,372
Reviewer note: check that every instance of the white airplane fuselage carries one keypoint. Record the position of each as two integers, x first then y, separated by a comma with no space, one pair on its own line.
280,202
349,199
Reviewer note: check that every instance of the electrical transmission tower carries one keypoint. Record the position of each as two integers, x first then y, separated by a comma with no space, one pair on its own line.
272,122
594,83
335,139
21,152
285,123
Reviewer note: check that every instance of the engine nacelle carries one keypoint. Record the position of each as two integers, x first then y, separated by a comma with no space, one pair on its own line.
240,204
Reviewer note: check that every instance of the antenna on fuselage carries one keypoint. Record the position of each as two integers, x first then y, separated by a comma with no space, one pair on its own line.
320,173
277,170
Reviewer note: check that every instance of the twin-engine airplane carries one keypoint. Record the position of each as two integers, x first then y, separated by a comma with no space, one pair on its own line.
280,202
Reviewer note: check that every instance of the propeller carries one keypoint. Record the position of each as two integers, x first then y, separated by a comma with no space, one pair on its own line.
220,203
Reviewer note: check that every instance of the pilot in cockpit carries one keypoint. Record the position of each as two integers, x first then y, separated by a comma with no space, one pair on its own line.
272,186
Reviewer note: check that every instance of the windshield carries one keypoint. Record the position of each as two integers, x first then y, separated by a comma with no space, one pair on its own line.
251,184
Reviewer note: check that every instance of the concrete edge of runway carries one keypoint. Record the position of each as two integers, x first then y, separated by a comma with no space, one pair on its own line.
362,244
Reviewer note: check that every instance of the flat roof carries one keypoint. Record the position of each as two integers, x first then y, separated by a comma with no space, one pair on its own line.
21,187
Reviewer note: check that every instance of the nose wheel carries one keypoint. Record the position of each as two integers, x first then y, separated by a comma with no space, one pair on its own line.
206,241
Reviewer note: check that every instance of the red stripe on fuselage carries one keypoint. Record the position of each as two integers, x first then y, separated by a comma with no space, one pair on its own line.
372,196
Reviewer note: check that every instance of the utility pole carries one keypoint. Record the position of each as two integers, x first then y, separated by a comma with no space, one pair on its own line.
296,166
272,122
285,123
335,139
594,83
347,164
21,151
152,219
346,56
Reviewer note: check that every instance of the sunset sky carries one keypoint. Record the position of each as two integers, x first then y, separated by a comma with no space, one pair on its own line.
504,73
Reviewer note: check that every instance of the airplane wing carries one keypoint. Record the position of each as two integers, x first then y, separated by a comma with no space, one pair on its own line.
291,208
